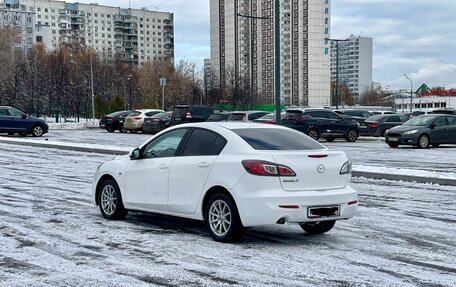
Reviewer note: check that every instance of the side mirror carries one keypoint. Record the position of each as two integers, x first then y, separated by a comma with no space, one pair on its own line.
24,116
432,126
134,154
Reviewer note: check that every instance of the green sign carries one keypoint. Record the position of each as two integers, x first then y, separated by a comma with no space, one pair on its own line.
423,89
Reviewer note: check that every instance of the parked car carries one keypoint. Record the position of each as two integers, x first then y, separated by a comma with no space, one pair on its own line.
219,117
423,131
443,111
323,123
382,113
114,121
246,116
135,120
15,121
157,122
192,114
268,119
377,125
230,176
359,115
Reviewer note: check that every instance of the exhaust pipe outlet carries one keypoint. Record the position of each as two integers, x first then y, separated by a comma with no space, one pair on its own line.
281,221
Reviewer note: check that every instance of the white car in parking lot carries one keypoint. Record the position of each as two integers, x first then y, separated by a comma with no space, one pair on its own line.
232,176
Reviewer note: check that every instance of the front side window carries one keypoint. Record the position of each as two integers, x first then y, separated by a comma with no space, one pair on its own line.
332,116
164,146
393,119
15,113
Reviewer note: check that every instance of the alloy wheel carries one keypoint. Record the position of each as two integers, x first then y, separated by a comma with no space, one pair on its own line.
37,131
423,142
220,217
109,199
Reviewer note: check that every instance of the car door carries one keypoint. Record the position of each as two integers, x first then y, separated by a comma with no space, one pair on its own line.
189,172
335,123
438,132
451,129
320,120
4,119
146,179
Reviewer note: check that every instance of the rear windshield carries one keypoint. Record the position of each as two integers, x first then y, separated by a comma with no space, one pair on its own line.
277,139
180,111
134,114
115,114
238,117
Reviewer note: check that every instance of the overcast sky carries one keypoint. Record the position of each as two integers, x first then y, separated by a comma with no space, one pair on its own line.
416,37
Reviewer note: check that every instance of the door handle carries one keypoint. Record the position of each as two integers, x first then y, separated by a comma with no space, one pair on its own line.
162,166
204,164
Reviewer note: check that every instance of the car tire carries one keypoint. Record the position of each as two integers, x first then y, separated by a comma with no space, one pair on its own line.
110,201
133,131
318,227
37,131
352,135
111,130
222,220
393,145
122,130
423,141
329,139
313,133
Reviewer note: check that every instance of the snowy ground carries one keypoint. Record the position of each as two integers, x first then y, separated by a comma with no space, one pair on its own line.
403,235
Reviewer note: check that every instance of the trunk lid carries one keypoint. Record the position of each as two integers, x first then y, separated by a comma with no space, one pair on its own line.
315,170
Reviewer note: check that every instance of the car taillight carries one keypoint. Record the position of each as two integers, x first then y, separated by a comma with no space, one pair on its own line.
155,120
301,119
265,168
188,115
373,125
137,118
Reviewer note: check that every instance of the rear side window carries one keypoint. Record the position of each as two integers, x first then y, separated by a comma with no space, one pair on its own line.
277,139
292,115
201,142
316,114
451,121
393,119
236,117
4,112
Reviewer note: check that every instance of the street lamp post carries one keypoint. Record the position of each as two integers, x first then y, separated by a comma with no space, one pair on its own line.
411,91
277,61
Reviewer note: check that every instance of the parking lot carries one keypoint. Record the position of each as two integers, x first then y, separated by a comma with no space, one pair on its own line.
402,234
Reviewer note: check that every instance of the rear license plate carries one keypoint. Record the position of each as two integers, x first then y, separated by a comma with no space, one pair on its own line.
363,127
102,125
177,119
323,211
393,139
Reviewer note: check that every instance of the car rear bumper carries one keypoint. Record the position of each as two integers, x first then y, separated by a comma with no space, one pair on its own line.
273,205
133,125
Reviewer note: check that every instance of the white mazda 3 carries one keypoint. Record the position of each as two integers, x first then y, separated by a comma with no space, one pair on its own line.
232,176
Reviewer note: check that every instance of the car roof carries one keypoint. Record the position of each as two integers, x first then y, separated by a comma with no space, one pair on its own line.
230,125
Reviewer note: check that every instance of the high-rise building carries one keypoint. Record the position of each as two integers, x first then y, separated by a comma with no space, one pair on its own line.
354,62
23,23
243,48
137,34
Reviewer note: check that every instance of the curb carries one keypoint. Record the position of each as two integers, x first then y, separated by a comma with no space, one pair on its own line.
118,151
403,177
67,147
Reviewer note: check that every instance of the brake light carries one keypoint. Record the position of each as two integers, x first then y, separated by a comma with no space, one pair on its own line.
265,168
301,119
137,118
188,115
373,125
155,120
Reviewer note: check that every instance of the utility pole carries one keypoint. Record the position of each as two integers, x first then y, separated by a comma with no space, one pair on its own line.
277,60
252,48
163,84
411,91
91,85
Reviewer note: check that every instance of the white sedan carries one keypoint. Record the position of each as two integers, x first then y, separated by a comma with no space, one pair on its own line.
231,176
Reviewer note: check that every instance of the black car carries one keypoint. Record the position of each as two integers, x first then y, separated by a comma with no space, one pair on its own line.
423,131
323,123
156,123
220,117
377,125
14,121
444,111
359,115
114,121
191,114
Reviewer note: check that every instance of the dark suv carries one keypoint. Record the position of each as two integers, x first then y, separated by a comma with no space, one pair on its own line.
191,114
14,121
323,123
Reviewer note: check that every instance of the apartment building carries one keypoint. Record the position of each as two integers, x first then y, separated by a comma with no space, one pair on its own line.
138,35
23,22
352,64
243,48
